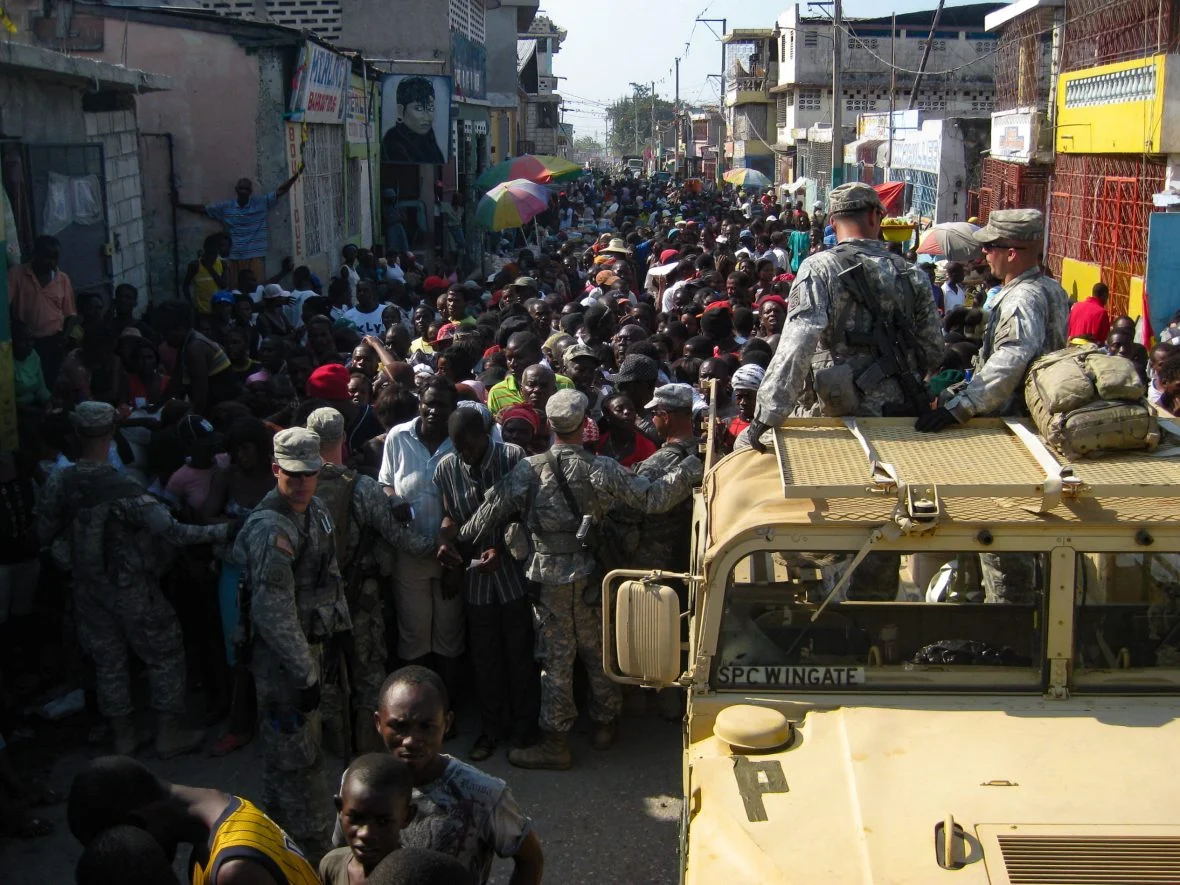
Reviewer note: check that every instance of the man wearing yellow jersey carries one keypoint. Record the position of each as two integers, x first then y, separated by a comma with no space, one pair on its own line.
233,842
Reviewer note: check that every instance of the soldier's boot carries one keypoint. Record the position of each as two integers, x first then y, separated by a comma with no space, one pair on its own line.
364,734
126,740
604,735
552,753
173,740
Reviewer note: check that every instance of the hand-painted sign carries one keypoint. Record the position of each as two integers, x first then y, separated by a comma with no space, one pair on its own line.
320,86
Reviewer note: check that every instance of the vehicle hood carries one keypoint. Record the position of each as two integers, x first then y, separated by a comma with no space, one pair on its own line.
864,783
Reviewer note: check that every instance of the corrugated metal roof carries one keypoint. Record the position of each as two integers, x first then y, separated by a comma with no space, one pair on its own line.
525,49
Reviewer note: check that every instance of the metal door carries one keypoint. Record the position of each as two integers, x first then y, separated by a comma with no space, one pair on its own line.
83,246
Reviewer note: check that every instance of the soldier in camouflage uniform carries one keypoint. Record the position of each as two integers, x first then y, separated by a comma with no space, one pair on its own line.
1028,319
820,348
823,348
117,540
659,541
367,536
295,610
568,618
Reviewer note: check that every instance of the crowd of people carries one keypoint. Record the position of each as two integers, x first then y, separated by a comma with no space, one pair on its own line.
338,508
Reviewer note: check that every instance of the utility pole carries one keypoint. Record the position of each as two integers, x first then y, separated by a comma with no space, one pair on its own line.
679,125
635,113
837,98
655,138
892,81
925,55
721,127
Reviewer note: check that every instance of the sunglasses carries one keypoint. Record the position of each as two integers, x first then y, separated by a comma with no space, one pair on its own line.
989,247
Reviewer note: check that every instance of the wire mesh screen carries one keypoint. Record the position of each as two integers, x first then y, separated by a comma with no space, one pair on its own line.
921,192
323,188
1099,32
1023,69
1099,214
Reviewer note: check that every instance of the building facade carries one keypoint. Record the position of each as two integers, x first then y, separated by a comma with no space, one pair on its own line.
535,50
751,71
958,79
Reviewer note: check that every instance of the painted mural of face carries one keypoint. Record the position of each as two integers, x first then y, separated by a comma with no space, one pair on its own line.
418,116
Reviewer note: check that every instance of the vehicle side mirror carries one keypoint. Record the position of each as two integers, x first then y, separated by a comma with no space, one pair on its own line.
646,634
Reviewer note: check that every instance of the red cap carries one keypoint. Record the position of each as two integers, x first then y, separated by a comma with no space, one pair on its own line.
667,255
777,299
328,382
433,284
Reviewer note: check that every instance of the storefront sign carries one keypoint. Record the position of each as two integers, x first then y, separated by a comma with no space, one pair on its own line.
1013,135
357,116
470,63
320,86
294,161
921,150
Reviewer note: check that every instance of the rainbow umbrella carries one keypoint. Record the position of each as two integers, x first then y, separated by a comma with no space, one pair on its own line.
747,178
512,204
531,167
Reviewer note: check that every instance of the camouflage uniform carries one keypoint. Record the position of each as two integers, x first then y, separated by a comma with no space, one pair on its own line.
566,624
821,312
1028,318
296,606
118,541
367,534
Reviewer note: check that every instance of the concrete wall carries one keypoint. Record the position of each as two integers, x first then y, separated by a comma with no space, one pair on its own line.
119,133
36,111
397,28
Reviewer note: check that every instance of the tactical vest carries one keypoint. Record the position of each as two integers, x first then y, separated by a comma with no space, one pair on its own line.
95,539
319,591
335,489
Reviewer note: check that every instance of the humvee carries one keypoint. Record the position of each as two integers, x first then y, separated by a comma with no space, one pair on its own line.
918,658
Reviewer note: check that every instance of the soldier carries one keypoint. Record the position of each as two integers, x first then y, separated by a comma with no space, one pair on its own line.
560,495
862,333
828,342
1029,317
363,517
295,608
113,529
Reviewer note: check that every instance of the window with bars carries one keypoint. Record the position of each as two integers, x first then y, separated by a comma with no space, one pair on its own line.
323,188
810,39
808,100
784,103
788,47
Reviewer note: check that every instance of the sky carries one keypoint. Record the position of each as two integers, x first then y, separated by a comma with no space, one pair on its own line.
613,42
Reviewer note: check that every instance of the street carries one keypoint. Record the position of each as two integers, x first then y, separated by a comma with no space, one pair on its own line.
612,818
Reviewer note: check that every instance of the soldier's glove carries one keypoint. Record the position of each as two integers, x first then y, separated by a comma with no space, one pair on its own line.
309,698
935,420
754,436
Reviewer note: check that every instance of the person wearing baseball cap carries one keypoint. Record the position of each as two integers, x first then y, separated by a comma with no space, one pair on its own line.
1032,320
561,496
330,384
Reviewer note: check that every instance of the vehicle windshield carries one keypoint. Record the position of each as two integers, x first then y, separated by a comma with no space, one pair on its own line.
1127,621
903,622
